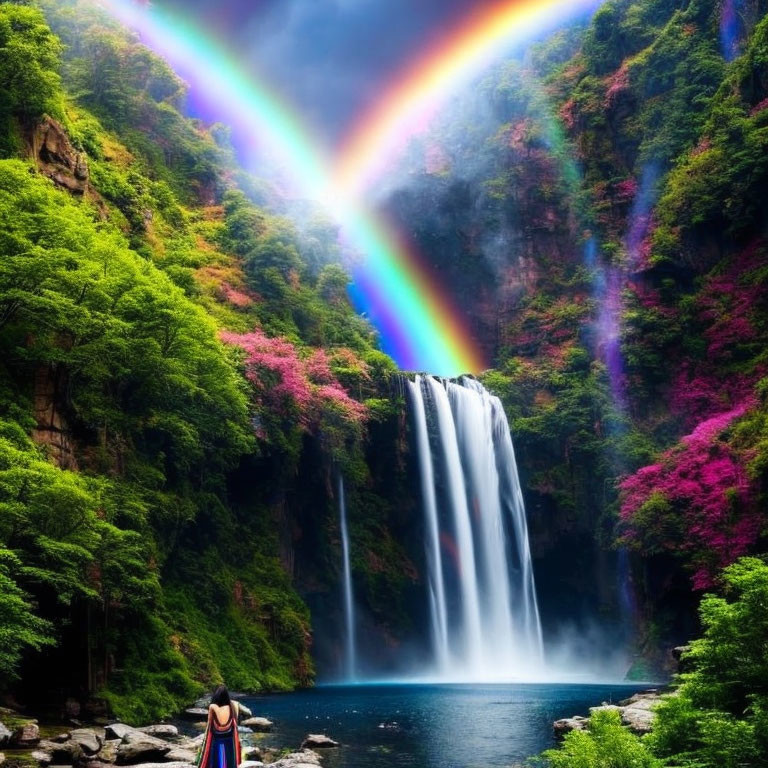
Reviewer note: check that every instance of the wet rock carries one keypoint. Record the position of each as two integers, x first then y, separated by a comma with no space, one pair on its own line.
26,735
261,724
60,737
251,752
137,747
161,730
318,741
89,740
5,735
568,724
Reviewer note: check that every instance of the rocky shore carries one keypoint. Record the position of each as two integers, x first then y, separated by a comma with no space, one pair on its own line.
636,714
24,743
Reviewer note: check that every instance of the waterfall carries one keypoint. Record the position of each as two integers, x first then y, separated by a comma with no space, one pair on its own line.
350,638
481,592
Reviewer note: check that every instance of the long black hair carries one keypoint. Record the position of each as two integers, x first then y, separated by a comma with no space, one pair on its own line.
220,696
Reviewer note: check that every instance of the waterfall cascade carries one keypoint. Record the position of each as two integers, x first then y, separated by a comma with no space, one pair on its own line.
482,598
350,639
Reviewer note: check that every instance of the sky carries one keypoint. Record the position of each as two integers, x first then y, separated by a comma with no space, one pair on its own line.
328,58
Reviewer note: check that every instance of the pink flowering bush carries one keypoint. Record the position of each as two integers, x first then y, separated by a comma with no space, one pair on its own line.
696,501
289,384
236,298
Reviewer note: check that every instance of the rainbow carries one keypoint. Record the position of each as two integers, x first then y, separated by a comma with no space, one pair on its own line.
417,324
407,108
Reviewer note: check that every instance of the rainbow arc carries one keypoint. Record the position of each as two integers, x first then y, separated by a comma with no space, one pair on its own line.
417,323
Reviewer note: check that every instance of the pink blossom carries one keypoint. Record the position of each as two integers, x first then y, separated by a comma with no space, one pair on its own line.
759,107
237,298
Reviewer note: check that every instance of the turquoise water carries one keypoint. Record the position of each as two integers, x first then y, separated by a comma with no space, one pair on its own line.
430,726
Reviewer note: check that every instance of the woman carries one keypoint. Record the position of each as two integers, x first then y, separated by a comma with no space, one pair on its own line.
221,743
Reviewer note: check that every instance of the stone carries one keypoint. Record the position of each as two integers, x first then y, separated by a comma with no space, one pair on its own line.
178,754
2,758
243,710
304,759
251,764
41,757
250,752
108,752
568,724
26,735
161,730
62,753
319,741
60,737
5,735
118,730
638,720
137,747
89,740
261,724
195,713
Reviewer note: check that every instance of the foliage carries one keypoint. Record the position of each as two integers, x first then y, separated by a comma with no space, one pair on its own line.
605,744
717,717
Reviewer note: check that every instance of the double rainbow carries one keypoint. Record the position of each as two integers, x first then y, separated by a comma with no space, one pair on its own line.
418,326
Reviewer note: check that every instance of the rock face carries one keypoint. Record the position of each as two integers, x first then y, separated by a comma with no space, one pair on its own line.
318,741
57,158
261,724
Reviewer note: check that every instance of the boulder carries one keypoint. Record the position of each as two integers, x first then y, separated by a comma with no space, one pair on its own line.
5,735
137,747
318,741
62,753
89,740
161,730
251,764
2,758
60,737
118,730
261,724
638,720
26,735
568,724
